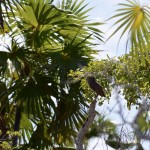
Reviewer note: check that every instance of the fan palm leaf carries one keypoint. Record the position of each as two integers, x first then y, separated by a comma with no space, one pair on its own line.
38,78
134,19
78,10
45,27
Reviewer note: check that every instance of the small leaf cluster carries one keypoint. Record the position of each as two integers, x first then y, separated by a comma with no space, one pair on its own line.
7,144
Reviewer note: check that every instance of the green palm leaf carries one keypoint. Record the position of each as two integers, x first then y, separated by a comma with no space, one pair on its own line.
78,9
42,89
135,20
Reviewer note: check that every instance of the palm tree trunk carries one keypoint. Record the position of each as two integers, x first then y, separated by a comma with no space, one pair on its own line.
16,126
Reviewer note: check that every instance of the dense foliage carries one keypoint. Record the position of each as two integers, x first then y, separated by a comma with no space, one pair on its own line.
47,41
132,84
42,43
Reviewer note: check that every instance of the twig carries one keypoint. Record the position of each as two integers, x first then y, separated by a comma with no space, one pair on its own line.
144,107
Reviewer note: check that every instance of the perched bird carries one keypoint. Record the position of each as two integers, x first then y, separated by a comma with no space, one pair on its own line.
95,86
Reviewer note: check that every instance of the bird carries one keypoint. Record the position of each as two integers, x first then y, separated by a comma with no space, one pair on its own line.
95,86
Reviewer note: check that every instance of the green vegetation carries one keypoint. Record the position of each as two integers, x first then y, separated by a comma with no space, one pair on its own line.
44,96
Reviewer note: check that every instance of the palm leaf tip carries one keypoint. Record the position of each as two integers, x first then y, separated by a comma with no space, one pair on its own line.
139,18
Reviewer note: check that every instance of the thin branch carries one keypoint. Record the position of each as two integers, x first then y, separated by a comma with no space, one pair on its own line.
144,107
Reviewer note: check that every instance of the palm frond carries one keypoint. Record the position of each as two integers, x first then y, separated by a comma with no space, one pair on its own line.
134,20
38,78
79,11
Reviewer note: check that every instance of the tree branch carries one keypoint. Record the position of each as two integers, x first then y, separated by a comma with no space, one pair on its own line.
143,108
85,127
91,114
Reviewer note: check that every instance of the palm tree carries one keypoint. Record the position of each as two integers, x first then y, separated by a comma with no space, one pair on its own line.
47,41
